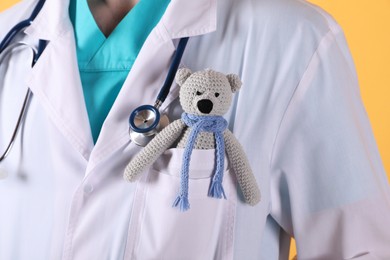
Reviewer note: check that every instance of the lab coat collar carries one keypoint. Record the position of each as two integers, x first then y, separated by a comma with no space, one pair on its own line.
60,91
183,18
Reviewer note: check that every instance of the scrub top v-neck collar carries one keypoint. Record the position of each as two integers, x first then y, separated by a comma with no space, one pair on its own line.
104,62
120,49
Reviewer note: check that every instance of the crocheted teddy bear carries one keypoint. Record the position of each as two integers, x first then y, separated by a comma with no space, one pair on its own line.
204,96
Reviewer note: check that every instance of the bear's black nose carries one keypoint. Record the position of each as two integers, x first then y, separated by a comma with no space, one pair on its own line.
205,106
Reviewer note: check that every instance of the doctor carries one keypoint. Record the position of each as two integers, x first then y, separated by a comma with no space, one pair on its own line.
299,117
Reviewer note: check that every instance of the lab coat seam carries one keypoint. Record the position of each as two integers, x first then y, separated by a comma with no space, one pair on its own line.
333,26
207,28
162,31
352,70
133,214
46,29
324,44
231,221
213,18
186,33
312,62
139,213
36,30
68,241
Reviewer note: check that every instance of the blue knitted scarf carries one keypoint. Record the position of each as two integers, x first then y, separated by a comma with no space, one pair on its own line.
217,125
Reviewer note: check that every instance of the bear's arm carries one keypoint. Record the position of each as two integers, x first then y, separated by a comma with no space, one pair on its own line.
148,155
242,169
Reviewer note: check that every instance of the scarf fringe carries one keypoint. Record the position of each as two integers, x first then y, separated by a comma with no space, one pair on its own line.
216,190
182,203
215,124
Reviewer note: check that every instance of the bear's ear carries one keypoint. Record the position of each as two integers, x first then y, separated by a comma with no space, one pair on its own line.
235,82
182,75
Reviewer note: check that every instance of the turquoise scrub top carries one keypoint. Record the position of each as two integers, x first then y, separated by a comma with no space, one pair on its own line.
104,62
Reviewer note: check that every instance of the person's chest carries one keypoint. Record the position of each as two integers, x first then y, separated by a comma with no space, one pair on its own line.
96,213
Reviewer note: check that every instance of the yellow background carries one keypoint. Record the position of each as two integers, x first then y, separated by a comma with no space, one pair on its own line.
367,28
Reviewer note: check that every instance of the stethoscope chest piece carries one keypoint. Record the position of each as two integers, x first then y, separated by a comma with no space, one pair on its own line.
145,122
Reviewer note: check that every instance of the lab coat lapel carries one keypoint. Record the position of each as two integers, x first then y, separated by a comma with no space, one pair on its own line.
182,19
55,79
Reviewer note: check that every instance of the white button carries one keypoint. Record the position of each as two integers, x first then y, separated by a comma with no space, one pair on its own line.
88,188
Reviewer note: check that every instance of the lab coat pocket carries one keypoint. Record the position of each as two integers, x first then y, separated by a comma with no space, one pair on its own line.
159,231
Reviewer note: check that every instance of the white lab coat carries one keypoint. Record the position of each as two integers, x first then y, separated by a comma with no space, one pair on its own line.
299,117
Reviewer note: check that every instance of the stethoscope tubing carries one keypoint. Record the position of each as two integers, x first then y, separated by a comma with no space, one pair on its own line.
18,123
5,48
141,132
162,95
22,113
20,26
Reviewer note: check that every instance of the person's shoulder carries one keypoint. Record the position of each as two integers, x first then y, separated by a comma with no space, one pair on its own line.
15,14
287,17
298,14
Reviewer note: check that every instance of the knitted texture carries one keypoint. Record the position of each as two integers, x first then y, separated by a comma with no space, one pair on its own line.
217,125
205,85
205,96
241,167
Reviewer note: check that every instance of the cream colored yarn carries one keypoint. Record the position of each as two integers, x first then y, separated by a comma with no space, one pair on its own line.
217,88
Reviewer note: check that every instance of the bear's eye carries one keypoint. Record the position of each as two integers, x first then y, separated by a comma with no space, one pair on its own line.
198,93
217,94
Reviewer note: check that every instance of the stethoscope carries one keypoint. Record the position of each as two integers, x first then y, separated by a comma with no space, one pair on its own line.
145,121
5,49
